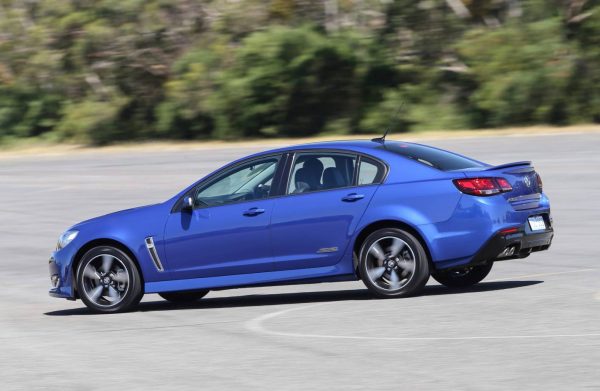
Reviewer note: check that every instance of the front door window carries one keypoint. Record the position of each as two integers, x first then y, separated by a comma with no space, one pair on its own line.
251,181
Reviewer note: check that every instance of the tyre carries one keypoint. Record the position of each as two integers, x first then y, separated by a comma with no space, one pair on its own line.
393,263
108,280
183,297
463,278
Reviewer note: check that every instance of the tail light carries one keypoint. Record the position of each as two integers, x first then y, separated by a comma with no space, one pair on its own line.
483,186
539,181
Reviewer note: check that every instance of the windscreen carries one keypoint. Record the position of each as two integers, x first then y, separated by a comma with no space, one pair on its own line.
433,157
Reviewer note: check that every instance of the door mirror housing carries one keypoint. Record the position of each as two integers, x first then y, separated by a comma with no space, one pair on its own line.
188,203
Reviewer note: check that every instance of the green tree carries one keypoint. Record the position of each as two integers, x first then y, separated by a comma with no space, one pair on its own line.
519,84
109,70
286,82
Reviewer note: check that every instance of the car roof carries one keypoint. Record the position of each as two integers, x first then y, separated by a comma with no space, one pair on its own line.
365,146
376,149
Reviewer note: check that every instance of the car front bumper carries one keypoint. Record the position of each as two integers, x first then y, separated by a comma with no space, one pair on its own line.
61,279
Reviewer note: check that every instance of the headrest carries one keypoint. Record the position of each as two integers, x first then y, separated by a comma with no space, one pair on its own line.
309,175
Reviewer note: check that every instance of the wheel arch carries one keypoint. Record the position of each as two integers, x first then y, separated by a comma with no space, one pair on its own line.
97,243
388,223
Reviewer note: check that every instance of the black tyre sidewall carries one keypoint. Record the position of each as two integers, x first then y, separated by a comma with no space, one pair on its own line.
135,291
184,296
421,275
476,275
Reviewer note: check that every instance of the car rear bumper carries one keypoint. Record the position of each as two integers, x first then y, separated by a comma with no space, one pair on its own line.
507,244
472,233
513,246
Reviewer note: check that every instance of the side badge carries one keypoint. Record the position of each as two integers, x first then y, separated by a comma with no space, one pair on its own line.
327,250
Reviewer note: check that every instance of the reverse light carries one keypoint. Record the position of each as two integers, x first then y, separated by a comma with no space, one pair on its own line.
483,186
65,239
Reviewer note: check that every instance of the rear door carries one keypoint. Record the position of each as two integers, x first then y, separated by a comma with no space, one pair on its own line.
324,199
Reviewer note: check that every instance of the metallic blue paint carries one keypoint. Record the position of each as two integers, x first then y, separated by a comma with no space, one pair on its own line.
303,224
220,247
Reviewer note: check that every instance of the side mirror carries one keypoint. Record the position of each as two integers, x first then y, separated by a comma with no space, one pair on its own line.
188,203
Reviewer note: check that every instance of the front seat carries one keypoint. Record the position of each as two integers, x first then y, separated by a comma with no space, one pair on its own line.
308,178
333,178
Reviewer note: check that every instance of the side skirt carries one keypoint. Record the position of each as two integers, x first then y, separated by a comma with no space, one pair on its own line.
284,277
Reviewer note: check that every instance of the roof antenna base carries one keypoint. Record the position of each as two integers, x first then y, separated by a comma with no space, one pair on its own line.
381,140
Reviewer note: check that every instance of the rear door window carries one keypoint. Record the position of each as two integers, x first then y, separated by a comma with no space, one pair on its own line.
321,171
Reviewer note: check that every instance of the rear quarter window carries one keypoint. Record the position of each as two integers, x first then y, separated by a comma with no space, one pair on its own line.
370,171
433,157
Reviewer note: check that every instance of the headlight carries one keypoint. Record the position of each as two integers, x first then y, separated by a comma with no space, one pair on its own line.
66,238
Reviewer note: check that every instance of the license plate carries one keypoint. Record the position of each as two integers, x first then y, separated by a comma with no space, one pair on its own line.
536,223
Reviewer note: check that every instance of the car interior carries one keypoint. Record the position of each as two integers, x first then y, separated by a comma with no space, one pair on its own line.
311,172
250,182
321,172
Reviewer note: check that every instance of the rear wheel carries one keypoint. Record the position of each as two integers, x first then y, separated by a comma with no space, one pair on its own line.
108,280
463,278
183,297
393,263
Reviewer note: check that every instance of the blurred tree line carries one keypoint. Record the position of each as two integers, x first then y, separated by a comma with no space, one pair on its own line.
99,71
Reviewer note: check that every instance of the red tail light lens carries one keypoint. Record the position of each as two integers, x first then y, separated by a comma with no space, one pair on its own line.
504,185
483,186
539,182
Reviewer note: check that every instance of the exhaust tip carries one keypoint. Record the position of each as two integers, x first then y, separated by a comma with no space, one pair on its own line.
508,252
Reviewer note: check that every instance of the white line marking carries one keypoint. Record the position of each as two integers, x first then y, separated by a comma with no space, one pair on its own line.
256,325
540,275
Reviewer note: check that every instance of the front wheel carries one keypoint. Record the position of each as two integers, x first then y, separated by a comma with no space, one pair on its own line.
463,278
393,263
108,280
184,296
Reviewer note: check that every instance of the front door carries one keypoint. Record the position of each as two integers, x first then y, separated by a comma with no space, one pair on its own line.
227,232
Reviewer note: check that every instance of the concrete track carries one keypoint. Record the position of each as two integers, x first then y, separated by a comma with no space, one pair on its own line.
532,324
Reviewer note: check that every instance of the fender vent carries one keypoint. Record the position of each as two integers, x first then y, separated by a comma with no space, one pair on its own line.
153,254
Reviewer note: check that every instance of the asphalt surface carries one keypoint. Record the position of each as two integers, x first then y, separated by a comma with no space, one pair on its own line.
532,324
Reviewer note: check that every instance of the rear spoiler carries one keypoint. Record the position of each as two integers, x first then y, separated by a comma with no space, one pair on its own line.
524,164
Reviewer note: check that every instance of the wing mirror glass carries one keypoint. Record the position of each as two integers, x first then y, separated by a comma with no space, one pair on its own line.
188,203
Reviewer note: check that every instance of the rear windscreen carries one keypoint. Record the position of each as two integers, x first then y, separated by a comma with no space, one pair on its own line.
442,160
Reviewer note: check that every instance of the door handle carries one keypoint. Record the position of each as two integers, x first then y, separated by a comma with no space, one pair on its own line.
254,212
353,197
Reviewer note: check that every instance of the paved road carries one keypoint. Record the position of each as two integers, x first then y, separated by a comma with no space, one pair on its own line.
533,324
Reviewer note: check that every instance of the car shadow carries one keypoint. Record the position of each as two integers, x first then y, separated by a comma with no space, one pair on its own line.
258,300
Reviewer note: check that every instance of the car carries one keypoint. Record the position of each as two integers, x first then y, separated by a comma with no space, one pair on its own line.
389,213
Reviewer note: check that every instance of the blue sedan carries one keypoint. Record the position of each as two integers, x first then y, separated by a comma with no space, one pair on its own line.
389,213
